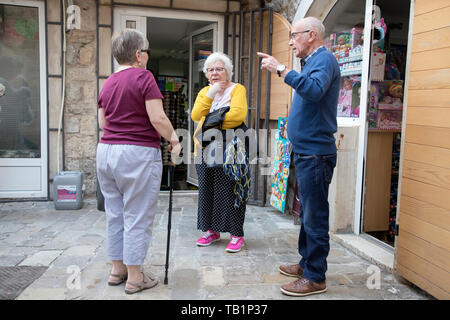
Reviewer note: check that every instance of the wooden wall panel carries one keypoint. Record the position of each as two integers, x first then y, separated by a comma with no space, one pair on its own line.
424,267
434,59
431,40
434,175
424,6
378,181
423,242
434,235
432,20
431,117
408,271
429,136
425,211
429,98
426,192
280,93
427,154
437,256
430,79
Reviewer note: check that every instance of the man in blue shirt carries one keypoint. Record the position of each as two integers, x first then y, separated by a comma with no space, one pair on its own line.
311,126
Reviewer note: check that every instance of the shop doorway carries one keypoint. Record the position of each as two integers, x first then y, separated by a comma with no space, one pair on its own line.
385,114
372,75
179,49
179,45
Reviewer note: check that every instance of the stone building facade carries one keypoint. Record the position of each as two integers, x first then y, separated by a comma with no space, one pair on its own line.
72,54
80,120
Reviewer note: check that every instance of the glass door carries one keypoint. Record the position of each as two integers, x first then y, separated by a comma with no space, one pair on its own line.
202,43
23,101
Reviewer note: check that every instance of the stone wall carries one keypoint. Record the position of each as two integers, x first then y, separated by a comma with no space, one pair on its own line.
80,120
80,114
287,8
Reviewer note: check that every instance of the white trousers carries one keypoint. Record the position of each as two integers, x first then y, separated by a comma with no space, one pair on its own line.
130,178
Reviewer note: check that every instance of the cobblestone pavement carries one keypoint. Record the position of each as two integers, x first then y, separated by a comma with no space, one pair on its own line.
72,242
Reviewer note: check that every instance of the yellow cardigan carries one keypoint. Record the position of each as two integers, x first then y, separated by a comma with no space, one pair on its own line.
233,118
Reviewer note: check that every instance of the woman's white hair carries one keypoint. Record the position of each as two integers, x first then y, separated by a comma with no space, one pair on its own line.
219,56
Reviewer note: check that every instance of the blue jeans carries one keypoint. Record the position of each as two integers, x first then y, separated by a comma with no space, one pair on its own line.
314,174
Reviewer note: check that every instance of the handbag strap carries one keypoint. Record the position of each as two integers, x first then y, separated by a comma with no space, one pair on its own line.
196,142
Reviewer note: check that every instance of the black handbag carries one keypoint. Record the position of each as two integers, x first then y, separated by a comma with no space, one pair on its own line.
214,119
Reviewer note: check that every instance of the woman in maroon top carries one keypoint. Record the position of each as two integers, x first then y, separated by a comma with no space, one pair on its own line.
129,167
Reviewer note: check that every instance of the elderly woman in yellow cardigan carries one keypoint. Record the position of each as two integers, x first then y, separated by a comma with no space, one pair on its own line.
216,210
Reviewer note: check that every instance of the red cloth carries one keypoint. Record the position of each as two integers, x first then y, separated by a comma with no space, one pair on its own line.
123,97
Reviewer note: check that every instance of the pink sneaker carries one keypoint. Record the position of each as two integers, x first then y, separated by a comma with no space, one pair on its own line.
208,238
235,244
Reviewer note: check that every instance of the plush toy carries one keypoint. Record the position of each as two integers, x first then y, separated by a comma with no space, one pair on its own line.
380,29
380,32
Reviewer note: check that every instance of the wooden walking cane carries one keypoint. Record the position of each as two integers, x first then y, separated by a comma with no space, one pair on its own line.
169,223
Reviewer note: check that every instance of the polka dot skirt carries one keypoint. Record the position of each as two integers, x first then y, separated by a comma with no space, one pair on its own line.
216,209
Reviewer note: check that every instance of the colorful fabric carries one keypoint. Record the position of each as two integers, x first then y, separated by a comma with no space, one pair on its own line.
237,168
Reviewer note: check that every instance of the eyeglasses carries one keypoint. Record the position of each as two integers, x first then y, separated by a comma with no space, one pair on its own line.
211,70
145,50
292,34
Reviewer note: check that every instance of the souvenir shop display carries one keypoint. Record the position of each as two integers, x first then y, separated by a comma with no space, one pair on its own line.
356,97
281,163
347,47
394,186
349,95
377,66
345,98
373,106
348,50
390,105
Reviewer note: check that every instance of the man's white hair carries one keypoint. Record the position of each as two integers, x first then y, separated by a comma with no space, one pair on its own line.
315,24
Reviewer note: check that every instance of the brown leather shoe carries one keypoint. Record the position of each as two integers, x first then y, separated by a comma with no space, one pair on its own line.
303,287
293,270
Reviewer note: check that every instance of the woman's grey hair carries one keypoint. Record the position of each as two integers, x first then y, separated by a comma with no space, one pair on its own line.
315,24
126,43
219,56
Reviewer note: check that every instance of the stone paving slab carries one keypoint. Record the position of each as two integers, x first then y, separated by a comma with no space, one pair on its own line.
72,245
